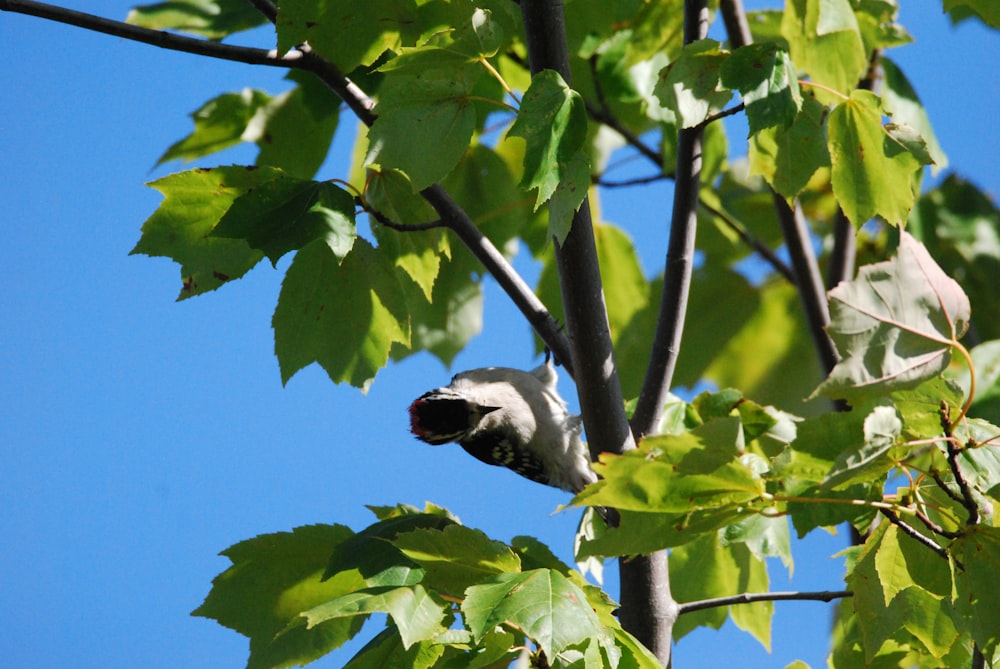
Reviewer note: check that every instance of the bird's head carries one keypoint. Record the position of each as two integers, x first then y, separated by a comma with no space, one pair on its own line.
441,415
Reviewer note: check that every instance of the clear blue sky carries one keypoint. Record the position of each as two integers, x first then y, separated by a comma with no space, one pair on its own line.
140,436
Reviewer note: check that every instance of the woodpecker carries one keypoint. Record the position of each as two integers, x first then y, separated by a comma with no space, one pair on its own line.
508,418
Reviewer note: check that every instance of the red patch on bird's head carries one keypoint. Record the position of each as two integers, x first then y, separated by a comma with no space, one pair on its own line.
415,427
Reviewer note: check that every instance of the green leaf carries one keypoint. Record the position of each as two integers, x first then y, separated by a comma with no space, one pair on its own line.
371,551
387,650
213,19
347,33
553,122
456,557
765,77
343,314
425,122
875,456
544,604
690,85
986,10
286,214
218,124
677,473
825,41
273,578
877,622
872,171
765,536
788,156
894,325
181,227
417,614
979,551
643,532
450,320
903,104
295,129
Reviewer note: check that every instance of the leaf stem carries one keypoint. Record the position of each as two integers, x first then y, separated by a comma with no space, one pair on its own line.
496,75
964,352
832,91
913,534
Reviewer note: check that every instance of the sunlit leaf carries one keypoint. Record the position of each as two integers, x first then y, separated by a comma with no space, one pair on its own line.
788,156
547,607
456,557
766,79
348,34
343,314
677,473
418,615
286,214
425,122
824,40
690,85
874,456
894,325
553,122
273,578
872,169
181,227
903,104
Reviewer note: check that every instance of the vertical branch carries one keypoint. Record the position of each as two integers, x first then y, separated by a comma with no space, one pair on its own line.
648,610
579,272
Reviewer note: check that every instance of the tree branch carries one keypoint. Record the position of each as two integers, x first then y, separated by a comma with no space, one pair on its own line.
751,597
913,534
808,279
679,260
303,58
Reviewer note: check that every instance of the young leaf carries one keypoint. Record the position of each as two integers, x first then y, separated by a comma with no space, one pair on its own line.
765,77
690,85
553,122
894,325
286,214
273,578
979,551
181,227
872,170
345,315
544,604
386,650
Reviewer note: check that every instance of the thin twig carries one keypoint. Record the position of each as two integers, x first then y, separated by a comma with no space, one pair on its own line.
967,500
401,227
934,527
718,116
760,247
913,534
751,597
638,181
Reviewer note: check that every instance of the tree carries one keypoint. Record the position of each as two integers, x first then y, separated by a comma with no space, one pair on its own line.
716,483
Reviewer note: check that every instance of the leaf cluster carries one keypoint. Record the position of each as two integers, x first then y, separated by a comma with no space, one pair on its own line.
451,595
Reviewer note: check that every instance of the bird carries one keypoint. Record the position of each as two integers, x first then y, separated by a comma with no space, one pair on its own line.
508,418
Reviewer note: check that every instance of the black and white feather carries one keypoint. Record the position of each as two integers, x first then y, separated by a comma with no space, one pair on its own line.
508,418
